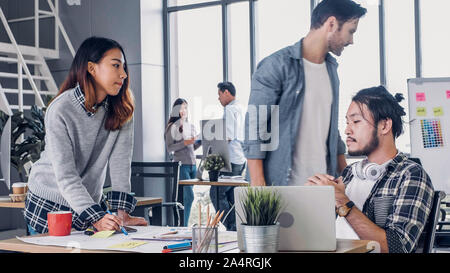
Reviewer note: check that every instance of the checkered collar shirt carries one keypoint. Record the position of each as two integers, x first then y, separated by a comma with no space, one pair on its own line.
79,96
400,202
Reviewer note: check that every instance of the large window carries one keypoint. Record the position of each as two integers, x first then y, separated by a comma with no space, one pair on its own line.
202,54
400,55
435,38
239,50
359,64
279,24
197,59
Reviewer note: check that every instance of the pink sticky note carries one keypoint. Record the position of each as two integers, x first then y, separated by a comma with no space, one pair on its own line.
448,94
420,96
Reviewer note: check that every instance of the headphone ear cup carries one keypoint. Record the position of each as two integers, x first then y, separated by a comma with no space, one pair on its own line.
373,171
357,170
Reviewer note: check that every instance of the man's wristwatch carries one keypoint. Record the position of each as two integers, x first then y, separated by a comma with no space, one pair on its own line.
344,210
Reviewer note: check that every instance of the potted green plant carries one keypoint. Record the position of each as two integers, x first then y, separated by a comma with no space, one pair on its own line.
260,227
28,148
213,164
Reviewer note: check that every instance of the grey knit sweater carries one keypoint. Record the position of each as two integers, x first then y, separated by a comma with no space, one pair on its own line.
78,149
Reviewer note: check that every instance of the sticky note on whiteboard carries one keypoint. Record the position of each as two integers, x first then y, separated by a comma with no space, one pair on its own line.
448,94
438,111
420,96
421,111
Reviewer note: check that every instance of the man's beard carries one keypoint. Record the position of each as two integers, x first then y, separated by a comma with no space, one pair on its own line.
369,148
334,46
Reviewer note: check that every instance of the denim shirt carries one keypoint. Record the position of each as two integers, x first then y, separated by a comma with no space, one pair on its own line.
280,81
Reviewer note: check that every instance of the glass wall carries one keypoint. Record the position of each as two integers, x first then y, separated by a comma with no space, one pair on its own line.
198,59
279,24
359,64
400,55
239,50
435,38
201,55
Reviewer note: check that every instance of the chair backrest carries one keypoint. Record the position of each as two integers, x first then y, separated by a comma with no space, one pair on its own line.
169,170
426,241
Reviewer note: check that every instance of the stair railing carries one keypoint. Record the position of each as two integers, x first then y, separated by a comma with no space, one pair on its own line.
21,60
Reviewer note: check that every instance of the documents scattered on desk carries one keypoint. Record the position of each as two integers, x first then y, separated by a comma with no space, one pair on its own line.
121,242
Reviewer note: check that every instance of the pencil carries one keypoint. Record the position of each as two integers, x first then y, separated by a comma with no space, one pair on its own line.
215,218
207,215
220,217
199,214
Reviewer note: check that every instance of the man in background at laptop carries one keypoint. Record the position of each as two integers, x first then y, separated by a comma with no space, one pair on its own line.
386,197
302,81
234,122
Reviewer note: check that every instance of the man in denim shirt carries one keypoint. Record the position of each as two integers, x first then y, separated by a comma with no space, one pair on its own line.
292,119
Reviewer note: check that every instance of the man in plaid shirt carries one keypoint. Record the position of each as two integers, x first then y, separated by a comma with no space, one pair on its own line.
386,197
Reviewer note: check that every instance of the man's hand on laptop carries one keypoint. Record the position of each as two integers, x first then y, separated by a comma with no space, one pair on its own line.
328,180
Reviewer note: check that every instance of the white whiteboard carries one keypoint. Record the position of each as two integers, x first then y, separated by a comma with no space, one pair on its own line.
429,112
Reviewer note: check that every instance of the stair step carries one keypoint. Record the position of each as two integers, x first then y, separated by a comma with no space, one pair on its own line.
16,76
14,60
16,107
28,91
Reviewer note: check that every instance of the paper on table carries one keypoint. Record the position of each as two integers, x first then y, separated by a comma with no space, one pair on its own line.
80,241
103,234
182,233
128,244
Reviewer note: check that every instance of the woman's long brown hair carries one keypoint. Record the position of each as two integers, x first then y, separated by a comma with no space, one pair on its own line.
121,106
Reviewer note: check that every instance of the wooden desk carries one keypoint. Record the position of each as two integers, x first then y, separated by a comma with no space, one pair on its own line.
15,245
142,202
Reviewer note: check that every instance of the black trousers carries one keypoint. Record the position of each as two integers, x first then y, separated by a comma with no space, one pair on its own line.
226,197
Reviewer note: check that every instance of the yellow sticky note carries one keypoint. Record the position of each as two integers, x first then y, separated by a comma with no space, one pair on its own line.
421,111
103,234
129,244
438,111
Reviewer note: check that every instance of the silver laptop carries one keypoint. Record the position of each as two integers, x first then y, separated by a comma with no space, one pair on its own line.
307,222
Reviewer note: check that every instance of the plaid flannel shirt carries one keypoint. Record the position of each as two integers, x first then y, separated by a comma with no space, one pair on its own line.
36,209
399,202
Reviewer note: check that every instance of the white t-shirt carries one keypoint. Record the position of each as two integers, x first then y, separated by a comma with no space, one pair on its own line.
357,190
311,147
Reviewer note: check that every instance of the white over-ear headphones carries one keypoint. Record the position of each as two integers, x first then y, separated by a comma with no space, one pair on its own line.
367,170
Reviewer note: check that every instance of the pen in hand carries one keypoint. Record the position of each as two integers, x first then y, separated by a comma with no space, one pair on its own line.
109,212
121,227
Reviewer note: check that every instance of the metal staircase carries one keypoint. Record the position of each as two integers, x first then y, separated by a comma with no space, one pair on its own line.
24,70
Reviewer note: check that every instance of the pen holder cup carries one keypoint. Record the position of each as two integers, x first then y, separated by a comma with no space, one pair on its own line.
205,240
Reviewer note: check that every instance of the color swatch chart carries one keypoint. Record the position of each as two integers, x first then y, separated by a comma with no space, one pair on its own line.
431,133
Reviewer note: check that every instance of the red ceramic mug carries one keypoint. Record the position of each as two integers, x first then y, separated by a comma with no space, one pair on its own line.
59,223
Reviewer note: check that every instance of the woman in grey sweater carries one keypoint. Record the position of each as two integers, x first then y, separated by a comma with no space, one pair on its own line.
88,126
180,140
